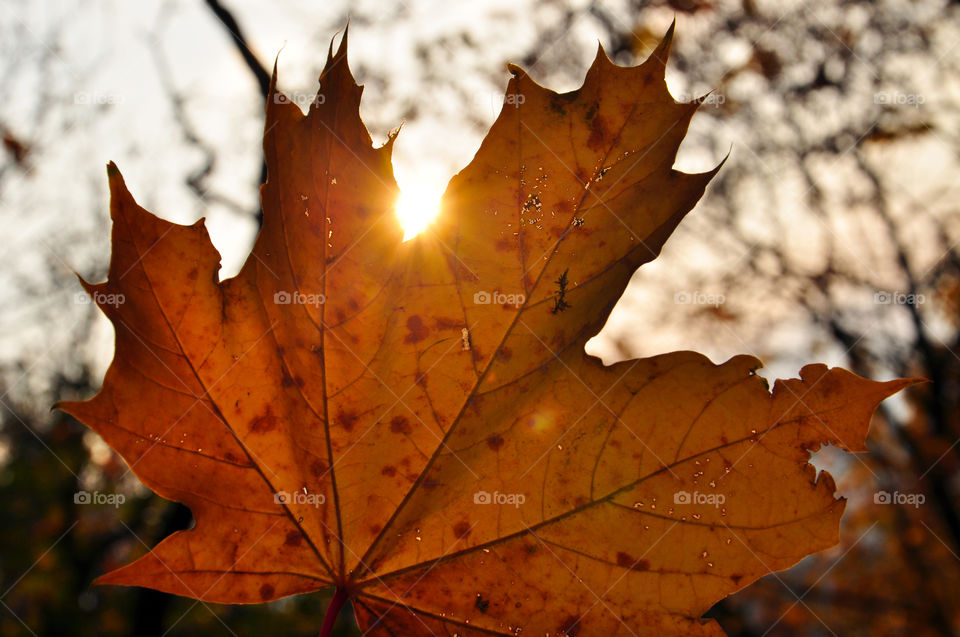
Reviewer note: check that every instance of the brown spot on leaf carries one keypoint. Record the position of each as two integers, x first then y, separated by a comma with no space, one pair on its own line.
417,330
627,561
400,425
266,592
389,471
294,538
505,353
597,134
347,420
495,441
264,422
571,626
481,604
449,323
461,529
559,102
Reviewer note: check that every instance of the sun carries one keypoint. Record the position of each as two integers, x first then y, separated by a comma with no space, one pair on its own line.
417,205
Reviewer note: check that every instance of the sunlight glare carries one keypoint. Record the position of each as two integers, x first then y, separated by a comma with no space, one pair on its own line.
417,205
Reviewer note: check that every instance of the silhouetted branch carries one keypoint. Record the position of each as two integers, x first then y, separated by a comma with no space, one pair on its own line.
253,63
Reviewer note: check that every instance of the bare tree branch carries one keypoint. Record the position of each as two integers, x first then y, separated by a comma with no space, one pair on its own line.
253,63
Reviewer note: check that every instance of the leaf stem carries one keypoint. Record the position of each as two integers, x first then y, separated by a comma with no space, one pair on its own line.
333,611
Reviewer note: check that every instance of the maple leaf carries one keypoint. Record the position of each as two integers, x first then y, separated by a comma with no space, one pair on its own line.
417,424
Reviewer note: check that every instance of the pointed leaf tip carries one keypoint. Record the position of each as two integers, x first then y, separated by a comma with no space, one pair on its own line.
515,70
342,48
661,54
716,169
601,52
335,58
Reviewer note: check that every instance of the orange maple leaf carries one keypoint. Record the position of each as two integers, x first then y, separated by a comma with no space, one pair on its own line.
417,423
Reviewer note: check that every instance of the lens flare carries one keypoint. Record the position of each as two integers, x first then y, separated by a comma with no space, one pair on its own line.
417,206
